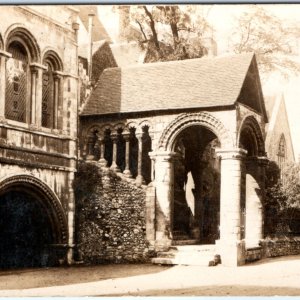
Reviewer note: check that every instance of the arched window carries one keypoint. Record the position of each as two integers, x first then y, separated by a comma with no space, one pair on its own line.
17,78
281,153
51,91
48,97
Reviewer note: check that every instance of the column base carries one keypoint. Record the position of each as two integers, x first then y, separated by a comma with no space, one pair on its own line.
127,173
90,157
233,252
139,180
115,167
102,162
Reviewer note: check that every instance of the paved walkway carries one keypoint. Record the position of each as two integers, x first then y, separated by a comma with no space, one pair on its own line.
274,275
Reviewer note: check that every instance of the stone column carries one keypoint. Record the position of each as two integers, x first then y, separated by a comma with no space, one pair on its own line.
57,103
255,190
102,160
114,165
230,246
164,185
139,178
3,58
33,96
36,94
127,172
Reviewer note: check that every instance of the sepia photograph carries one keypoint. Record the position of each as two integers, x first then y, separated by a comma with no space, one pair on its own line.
149,149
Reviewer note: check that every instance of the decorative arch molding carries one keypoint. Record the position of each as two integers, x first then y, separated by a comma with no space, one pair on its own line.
1,42
185,120
54,58
42,189
250,123
19,33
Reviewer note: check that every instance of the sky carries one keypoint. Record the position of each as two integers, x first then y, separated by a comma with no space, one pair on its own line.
222,17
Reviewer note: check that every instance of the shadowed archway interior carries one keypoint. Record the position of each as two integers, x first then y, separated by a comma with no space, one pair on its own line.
27,232
196,185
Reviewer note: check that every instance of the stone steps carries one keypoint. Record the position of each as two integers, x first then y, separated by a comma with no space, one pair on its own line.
192,255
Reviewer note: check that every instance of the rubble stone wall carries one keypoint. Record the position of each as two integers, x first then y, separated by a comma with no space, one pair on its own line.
111,224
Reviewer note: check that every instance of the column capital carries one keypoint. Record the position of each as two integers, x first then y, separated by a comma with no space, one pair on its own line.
163,155
5,54
36,66
235,153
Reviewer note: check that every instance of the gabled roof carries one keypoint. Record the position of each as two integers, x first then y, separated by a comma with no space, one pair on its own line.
205,82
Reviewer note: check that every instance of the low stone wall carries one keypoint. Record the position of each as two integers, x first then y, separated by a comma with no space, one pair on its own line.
281,246
110,217
274,247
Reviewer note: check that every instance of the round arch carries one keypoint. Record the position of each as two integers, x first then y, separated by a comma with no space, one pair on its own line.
185,120
52,57
250,125
40,190
23,36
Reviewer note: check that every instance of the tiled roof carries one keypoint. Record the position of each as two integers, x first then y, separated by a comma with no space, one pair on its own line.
204,82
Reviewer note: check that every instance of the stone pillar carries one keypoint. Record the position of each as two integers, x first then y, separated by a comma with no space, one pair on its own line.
164,185
36,94
3,58
102,160
114,165
57,103
33,96
255,186
71,219
127,172
139,178
230,246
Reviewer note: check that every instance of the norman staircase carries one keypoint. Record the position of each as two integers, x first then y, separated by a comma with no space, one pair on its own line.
191,255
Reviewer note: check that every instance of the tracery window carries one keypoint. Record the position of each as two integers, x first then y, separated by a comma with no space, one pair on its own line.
281,153
17,78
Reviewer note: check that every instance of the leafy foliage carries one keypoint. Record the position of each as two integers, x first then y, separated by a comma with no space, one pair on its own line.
171,32
283,199
273,40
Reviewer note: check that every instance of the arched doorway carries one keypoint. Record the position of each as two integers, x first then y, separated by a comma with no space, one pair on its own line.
31,224
196,205
251,140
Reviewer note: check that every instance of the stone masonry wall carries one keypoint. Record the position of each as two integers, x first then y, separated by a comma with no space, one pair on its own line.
281,247
110,217
274,247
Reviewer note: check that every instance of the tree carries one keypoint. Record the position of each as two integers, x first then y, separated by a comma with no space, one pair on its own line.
283,198
273,40
171,32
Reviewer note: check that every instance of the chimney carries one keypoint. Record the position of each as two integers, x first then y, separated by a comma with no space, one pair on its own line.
90,43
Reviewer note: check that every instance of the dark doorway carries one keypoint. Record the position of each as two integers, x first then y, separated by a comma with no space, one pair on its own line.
25,231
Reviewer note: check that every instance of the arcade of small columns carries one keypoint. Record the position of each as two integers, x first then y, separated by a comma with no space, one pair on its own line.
122,149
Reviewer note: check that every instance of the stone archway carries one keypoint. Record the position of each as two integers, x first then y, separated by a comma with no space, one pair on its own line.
205,119
164,163
33,225
251,140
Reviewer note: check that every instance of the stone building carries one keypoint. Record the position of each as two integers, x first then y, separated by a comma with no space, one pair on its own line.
38,129
278,141
202,121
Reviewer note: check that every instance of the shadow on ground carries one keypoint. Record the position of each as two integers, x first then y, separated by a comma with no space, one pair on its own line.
47,277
